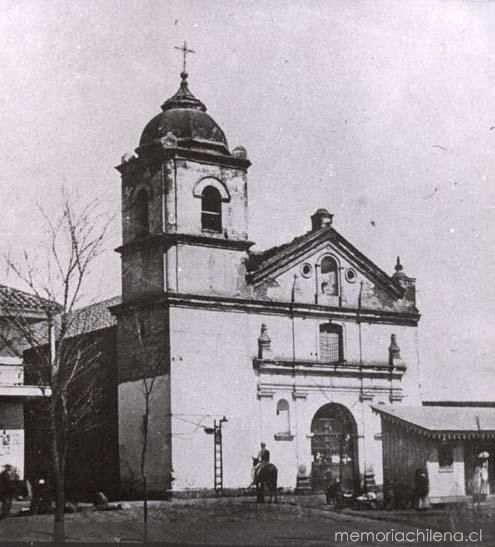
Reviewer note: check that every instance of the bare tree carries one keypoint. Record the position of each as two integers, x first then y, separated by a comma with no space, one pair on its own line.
57,274
140,328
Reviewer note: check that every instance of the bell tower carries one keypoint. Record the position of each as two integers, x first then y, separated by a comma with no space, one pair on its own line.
184,238
184,205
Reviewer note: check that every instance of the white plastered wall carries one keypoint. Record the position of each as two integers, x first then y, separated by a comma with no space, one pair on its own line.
212,375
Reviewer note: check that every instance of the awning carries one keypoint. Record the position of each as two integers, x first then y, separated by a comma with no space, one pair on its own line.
446,423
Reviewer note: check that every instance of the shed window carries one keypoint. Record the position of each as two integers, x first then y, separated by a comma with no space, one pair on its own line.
331,343
211,209
329,276
445,456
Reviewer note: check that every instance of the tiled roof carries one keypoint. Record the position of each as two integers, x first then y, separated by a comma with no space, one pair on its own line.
91,318
20,300
442,421
94,317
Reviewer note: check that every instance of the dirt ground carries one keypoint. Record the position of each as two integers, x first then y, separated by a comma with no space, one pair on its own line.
239,521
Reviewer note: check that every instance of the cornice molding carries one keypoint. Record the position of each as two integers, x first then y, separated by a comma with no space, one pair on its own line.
154,152
166,240
248,305
279,386
315,368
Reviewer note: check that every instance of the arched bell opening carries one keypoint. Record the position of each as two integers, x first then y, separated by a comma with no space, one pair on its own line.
211,209
141,214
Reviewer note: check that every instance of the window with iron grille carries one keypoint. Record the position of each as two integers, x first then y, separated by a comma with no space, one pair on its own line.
330,343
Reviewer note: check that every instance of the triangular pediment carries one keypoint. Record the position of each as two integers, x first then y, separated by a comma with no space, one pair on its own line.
300,264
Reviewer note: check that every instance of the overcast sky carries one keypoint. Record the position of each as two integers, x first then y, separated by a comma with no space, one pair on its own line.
383,112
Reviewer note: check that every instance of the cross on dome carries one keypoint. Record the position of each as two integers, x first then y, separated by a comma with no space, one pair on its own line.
185,117
185,51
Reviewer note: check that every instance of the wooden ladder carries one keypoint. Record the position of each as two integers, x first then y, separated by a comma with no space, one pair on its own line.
218,460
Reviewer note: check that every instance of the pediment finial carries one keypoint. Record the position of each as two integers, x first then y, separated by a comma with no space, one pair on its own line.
321,219
264,343
399,270
398,266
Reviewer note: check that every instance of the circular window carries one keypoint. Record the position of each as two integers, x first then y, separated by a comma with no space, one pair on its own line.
351,275
306,270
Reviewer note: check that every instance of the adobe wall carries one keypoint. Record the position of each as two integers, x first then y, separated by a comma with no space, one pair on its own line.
143,354
131,437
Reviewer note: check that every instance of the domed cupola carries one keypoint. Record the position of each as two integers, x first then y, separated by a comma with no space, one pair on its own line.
184,118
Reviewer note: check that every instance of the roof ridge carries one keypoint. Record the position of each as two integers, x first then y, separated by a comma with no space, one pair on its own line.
87,306
26,299
271,252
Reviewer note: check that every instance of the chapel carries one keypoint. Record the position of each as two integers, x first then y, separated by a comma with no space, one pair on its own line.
291,346
214,348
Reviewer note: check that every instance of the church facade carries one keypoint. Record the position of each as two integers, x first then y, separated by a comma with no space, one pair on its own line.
290,346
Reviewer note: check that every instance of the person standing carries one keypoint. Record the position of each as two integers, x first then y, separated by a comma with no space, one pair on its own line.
476,486
331,487
421,489
6,489
484,490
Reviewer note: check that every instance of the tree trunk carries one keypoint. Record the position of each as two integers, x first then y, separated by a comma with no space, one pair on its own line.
145,510
143,463
58,476
59,516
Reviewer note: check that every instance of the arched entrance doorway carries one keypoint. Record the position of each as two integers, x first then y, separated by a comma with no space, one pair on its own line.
334,447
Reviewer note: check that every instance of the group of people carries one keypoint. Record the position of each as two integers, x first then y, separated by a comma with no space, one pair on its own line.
479,484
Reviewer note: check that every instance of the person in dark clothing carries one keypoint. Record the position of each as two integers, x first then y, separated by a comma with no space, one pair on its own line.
421,489
331,487
41,501
261,458
263,454
7,487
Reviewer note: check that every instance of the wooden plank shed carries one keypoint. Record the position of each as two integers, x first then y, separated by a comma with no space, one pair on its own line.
446,441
